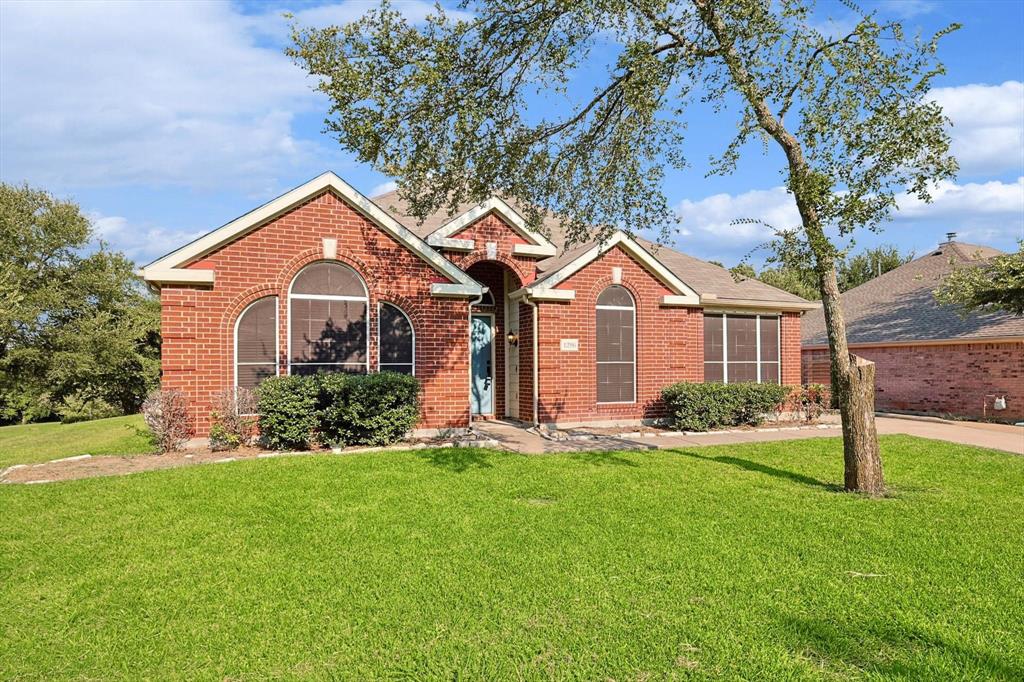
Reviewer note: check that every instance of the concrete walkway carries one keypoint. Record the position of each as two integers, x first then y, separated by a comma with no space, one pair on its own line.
518,439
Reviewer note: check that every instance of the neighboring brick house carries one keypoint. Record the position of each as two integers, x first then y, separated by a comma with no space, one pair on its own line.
929,358
494,319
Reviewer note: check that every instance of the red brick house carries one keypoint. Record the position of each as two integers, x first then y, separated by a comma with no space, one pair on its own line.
493,318
929,358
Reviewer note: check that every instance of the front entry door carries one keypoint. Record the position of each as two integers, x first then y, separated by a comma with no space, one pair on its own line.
481,349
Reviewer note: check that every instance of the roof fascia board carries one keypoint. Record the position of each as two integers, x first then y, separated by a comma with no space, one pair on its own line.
445,290
177,275
925,342
715,304
502,208
326,181
538,250
683,294
451,244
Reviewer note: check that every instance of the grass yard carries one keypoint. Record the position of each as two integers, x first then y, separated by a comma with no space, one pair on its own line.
31,443
737,562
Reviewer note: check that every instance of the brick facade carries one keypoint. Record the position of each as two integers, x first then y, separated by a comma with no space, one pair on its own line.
199,320
198,323
946,379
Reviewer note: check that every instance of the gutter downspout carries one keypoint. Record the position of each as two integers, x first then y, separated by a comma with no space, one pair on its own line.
469,319
535,368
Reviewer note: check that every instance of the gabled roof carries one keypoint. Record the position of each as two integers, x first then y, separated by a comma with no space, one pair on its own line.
714,285
900,305
445,235
170,268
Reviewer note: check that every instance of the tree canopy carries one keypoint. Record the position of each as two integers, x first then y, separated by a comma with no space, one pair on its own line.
78,332
444,107
997,284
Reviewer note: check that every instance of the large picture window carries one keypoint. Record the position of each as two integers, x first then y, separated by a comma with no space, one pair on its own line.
328,307
256,343
616,346
739,348
396,346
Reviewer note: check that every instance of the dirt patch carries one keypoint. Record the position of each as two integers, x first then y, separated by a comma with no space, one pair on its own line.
116,465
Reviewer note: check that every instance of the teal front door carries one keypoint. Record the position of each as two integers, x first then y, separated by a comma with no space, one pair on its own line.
481,349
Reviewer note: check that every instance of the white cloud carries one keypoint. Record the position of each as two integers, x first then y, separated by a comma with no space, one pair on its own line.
709,220
141,243
272,23
193,94
986,213
907,9
383,188
988,125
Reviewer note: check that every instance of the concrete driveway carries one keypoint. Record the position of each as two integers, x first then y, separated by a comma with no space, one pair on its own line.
995,436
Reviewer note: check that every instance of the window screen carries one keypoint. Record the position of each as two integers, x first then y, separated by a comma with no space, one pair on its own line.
397,342
256,343
741,348
328,321
616,346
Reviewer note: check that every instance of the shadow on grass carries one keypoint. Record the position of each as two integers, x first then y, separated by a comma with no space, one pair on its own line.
896,650
457,460
748,465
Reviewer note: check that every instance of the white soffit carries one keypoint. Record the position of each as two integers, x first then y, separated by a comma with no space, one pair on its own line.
169,268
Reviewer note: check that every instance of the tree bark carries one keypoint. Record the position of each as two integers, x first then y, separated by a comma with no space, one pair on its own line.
853,379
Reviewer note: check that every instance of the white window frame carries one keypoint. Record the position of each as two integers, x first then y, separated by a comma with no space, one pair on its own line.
757,324
380,305
327,297
617,362
277,338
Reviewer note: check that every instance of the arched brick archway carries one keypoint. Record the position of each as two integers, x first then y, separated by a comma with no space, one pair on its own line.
501,278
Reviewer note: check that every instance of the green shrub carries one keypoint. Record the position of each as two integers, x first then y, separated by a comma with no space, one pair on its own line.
366,409
813,399
337,409
223,439
78,408
287,412
700,407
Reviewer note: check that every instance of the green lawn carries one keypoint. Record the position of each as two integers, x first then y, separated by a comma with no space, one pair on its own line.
737,562
31,443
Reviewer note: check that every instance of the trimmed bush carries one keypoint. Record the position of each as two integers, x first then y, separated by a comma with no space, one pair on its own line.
701,407
287,412
337,409
367,409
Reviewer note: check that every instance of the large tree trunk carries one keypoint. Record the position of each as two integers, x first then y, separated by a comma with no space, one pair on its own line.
852,379
853,386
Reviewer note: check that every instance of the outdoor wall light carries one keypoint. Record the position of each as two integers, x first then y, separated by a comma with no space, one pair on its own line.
513,338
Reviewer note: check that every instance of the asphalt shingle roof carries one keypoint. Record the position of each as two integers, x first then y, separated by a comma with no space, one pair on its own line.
900,305
703,277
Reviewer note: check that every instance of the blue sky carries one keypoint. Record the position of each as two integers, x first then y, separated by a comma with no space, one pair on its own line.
166,120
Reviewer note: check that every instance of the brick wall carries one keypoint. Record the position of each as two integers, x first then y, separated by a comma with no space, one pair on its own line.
669,345
939,379
198,323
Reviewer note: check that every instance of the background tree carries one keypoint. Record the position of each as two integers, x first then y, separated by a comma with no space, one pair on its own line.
868,264
444,108
996,284
79,335
797,277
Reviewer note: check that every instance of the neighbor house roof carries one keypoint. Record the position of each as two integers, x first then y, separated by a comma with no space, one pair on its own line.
713,284
900,305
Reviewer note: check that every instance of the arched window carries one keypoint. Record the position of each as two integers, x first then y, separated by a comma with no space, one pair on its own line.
256,343
328,309
616,346
396,347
